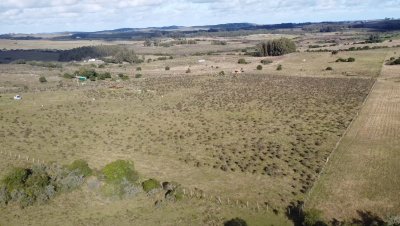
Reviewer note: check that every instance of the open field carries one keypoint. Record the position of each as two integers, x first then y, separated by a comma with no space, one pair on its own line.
261,136
363,173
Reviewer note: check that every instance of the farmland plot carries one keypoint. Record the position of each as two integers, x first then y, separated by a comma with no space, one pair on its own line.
263,138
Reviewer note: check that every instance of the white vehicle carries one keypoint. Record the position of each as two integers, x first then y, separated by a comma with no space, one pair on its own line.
17,97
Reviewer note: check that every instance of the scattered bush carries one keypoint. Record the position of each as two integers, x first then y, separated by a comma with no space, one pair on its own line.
81,166
42,79
119,170
276,47
242,61
279,68
138,75
150,184
167,68
221,73
265,61
188,71
259,67
235,222
329,69
334,52
138,69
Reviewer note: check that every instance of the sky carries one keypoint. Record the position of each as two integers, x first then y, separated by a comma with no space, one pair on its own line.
38,16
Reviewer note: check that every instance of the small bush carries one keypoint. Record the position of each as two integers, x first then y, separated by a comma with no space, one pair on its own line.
334,52
138,75
351,59
279,68
123,76
313,217
92,78
329,69
221,73
242,61
150,184
235,222
265,61
138,69
42,79
81,166
341,60
167,68
259,67
15,179
119,170
188,71
394,61
68,76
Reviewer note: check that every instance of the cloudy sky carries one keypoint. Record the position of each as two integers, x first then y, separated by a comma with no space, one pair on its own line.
34,16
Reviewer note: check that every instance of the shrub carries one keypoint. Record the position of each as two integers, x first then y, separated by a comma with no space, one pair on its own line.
312,217
279,68
276,47
123,76
81,166
138,75
15,179
221,73
391,221
394,61
265,61
235,222
150,184
104,75
119,170
92,78
42,79
259,67
167,68
351,59
341,60
242,61
138,69
68,76
329,69
188,71
334,52
86,72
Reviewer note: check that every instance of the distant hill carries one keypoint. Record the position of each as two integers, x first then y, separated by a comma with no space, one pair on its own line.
182,31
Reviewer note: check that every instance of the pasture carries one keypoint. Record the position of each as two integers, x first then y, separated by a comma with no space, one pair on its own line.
261,137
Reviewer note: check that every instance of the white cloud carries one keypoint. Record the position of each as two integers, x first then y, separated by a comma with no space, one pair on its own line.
58,15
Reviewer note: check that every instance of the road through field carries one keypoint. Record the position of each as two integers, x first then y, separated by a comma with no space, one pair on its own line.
363,173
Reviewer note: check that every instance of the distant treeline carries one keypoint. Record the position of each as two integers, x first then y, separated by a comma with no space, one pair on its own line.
233,29
109,53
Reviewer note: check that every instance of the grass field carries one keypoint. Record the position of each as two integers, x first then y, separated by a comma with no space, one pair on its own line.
362,175
262,136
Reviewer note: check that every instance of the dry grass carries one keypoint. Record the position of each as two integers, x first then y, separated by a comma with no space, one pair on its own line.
363,173
261,136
